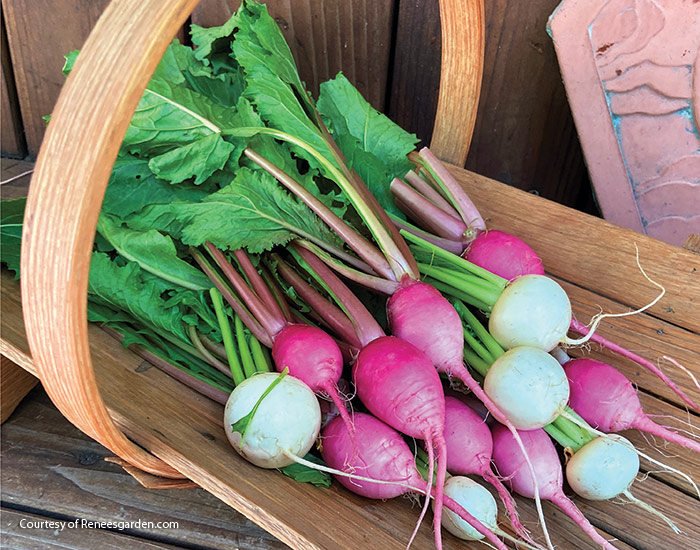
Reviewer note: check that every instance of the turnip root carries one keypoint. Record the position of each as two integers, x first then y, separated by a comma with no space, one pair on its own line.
604,398
286,421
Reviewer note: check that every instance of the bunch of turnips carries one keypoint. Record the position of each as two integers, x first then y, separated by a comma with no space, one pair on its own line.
249,239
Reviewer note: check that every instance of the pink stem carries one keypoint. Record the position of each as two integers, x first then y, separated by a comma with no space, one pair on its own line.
582,329
446,244
330,314
361,278
278,295
366,250
424,188
248,319
426,213
272,324
462,203
571,510
645,424
366,326
259,286
407,260
215,394
331,389
508,502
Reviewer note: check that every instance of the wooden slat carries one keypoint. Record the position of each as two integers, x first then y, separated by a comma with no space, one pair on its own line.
38,43
594,253
416,68
15,383
12,132
524,133
15,536
648,336
49,465
326,37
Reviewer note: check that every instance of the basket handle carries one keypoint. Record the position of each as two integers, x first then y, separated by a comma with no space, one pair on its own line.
461,70
72,170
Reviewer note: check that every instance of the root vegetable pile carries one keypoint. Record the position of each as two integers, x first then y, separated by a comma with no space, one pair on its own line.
248,228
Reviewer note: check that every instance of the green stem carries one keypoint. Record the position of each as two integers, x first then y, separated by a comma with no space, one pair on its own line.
262,363
382,237
467,285
476,362
477,347
455,293
460,263
246,357
560,437
204,352
227,336
479,329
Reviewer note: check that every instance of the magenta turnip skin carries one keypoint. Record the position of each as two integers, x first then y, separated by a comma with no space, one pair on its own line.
419,314
310,355
504,255
608,401
511,466
382,454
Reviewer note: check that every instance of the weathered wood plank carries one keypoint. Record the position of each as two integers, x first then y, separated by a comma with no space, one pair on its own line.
524,133
593,253
648,336
26,531
326,37
49,465
12,133
37,67
15,383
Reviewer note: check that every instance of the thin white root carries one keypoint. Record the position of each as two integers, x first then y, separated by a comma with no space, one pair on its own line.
596,319
649,508
665,467
684,369
321,468
516,540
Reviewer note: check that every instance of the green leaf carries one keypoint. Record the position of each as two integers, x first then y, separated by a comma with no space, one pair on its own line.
153,252
129,289
241,425
70,61
259,43
198,159
350,113
170,116
304,474
11,219
132,186
181,66
254,212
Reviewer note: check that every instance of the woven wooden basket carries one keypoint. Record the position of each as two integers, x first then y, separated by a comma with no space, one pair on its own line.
164,433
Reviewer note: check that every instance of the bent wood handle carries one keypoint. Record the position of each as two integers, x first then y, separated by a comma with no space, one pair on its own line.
461,70
74,164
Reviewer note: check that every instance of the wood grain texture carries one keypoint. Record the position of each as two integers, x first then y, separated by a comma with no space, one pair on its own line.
524,134
71,175
49,465
19,533
37,67
12,132
15,383
461,70
327,37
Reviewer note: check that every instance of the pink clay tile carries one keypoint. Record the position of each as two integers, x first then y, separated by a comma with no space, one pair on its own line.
632,74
